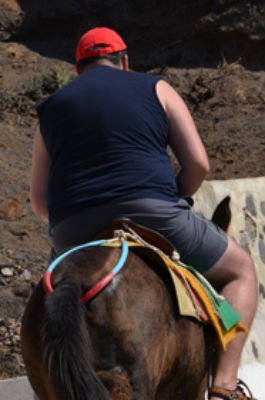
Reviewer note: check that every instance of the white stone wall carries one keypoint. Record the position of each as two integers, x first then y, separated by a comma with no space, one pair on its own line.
248,229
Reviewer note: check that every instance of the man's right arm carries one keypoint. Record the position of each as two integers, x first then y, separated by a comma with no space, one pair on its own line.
184,141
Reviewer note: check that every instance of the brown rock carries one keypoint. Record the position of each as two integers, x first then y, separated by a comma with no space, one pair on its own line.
13,210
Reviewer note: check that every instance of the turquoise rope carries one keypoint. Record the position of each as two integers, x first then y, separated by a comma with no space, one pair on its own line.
123,257
116,269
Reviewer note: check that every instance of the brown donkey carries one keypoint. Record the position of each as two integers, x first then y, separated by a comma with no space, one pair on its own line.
127,343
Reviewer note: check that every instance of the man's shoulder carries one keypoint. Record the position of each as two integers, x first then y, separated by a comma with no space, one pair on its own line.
58,94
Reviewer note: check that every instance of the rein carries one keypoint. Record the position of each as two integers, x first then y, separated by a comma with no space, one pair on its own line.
98,287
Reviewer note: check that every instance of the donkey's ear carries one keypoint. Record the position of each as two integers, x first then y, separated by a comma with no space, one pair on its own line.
222,214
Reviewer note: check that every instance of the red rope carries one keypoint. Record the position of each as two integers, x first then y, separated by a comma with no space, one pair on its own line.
97,288
47,285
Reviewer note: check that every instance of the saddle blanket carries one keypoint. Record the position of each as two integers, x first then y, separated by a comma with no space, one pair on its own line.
195,296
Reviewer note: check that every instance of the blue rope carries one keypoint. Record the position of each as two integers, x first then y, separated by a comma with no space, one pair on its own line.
123,257
116,269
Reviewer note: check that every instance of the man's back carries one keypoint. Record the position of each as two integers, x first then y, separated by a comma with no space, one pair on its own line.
106,134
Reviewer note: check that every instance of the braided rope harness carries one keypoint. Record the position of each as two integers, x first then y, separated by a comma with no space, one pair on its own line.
103,282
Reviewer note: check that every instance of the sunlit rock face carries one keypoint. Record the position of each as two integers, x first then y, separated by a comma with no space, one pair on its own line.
248,229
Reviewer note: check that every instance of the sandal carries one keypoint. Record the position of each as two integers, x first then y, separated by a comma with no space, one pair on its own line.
242,392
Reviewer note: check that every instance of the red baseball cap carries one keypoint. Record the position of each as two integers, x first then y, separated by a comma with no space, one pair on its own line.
98,42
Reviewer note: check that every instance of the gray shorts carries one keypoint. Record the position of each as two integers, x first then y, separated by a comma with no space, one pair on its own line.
199,241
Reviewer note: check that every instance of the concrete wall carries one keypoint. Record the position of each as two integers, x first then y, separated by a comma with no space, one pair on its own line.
248,229
16,389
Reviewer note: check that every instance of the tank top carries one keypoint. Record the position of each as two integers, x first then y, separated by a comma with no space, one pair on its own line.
107,135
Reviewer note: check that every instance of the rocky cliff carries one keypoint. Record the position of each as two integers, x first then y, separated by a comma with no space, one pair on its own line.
184,33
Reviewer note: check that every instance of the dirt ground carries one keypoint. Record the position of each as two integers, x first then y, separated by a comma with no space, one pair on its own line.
227,103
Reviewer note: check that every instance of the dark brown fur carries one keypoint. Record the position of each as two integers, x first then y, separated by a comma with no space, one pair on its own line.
128,343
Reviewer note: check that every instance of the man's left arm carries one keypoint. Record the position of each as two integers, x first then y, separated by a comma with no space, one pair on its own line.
39,177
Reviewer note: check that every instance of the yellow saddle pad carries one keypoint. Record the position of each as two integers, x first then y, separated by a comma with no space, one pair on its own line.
192,297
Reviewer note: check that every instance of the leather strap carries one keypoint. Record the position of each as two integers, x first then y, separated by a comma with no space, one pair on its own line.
242,392
152,237
225,394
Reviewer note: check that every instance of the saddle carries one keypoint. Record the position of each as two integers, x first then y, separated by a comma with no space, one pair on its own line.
195,296
148,235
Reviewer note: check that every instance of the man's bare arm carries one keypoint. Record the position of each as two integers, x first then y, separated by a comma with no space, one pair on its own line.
184,141
39,177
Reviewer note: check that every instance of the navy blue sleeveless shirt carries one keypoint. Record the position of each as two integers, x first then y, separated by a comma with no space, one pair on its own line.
107,136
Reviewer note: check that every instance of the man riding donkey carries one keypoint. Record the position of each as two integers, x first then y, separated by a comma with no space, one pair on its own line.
101,154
